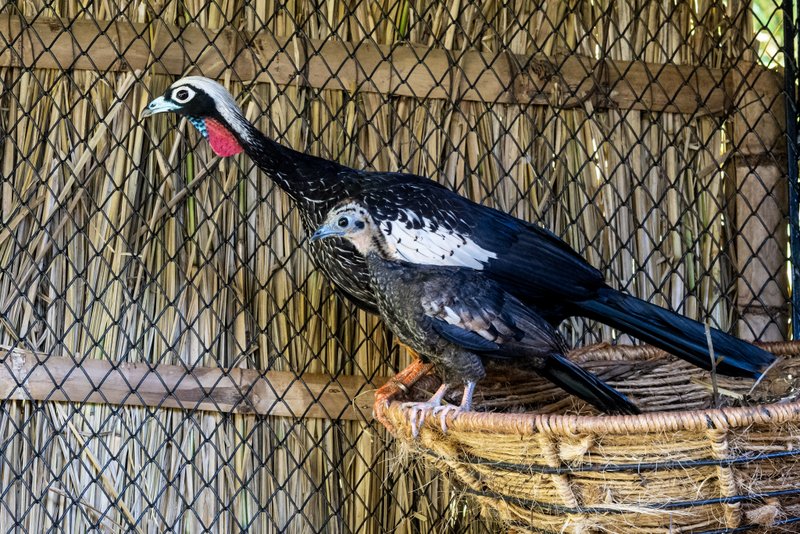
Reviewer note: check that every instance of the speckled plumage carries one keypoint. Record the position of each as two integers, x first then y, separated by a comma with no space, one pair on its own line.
457,318
426,223
417,302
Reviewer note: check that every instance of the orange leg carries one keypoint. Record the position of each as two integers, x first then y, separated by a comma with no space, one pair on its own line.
397,385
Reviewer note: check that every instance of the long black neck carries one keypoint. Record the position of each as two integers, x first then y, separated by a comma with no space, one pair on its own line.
314,183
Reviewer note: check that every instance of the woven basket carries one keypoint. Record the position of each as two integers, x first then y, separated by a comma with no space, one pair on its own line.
550,464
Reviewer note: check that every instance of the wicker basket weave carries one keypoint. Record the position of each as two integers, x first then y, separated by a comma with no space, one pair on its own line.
682,466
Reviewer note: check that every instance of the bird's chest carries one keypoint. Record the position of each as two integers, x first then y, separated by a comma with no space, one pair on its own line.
402,312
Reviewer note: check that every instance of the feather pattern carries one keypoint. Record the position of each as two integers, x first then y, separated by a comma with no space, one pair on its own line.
425,223
458,319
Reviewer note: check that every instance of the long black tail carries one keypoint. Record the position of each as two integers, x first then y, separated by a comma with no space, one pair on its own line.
676,334
585,385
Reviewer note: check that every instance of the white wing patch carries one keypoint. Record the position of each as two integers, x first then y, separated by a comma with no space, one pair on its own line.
432,244
451,316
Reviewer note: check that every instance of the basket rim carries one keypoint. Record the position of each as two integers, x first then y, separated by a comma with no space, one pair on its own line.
712,419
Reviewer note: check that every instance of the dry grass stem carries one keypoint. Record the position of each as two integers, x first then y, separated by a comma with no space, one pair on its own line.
127,241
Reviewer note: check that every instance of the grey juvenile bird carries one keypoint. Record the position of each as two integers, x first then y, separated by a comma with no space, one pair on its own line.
456,318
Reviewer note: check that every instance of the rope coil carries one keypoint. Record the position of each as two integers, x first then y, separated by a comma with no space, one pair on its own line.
731,469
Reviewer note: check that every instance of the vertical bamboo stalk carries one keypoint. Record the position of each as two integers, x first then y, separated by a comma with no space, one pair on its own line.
761,203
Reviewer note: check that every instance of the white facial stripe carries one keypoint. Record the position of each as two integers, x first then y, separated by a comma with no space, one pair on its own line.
360,237
225,103
434,247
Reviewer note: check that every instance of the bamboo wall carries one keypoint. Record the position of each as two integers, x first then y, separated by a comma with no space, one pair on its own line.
125,240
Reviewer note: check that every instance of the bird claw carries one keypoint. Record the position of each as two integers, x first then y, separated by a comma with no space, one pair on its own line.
418,411
444,411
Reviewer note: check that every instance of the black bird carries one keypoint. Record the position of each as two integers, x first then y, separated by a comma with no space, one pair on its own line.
456,318
425,223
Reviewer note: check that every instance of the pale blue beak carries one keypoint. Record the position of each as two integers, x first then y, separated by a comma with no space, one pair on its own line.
325,231
159,105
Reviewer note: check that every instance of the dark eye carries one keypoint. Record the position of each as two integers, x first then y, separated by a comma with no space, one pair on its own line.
342,222
183,95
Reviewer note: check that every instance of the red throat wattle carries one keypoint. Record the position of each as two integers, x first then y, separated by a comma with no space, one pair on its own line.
223,142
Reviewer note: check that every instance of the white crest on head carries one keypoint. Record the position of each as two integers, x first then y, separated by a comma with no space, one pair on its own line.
225,103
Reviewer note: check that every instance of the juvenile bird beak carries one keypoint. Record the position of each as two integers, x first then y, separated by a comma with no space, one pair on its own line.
159,105
325,231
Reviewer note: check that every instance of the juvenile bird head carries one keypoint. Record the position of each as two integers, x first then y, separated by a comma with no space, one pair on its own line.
210,108
353,222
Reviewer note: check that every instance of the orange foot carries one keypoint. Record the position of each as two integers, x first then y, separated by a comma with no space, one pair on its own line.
395,386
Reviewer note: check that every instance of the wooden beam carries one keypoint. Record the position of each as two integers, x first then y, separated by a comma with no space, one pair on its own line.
762,205
401,70
32,376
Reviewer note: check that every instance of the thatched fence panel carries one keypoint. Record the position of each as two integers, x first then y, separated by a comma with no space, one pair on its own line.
169,357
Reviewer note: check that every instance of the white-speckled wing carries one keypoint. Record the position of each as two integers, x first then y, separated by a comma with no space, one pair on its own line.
418,240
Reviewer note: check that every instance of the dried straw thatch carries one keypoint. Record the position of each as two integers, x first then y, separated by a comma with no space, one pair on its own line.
124,240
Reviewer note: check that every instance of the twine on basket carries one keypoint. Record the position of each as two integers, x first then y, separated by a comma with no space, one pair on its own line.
546,463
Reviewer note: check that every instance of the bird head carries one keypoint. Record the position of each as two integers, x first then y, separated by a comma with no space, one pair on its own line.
353,222
210,108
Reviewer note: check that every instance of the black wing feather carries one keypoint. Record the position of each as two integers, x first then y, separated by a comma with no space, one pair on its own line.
480,305
463,338
584,385
474,312
524,251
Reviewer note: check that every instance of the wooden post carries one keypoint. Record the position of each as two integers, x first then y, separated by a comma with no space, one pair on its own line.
761,202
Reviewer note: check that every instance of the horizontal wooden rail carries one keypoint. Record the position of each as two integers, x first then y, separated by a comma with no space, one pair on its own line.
31,376
403,70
